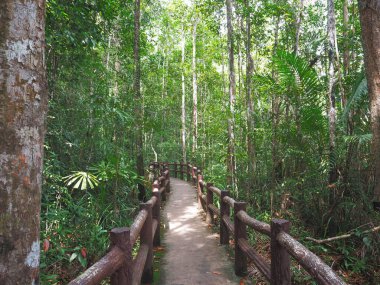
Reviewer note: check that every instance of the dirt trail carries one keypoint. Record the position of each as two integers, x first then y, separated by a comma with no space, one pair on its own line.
192,252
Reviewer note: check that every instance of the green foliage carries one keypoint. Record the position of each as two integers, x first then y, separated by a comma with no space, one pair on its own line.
81,180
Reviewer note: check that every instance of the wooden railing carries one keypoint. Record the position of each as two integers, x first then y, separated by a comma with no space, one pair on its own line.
282,244
118,263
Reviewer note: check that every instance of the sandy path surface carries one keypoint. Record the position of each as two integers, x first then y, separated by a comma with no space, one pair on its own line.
192,252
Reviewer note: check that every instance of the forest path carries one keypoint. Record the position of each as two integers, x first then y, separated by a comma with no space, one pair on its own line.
192,252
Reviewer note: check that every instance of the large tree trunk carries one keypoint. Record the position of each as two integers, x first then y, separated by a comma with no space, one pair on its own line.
183,106
139,102
23,106
250,122
195,89
232,94
331,33
370,23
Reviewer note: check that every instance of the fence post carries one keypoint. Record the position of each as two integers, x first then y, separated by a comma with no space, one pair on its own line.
240,232
188,172
175,170
194,176
156,214
162,182
224,211
167,179
146,238
199,189
182,164
280,260
209,200
120,237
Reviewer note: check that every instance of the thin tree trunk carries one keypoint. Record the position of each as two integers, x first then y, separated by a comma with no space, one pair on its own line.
370,22
331,33
139,102
195,89
232,94
298,28
346,51
183,107
276,163
23,106
250,109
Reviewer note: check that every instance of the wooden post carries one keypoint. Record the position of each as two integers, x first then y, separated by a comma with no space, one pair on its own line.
209,201
167,178
224,211
240,232
146,238
194,176
199,189
163,194
188,172
175,170
156,214
120,237
182,164
280,260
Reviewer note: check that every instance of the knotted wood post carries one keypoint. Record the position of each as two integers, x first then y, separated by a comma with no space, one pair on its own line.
199,189
240,230
121,237
194,176
224,211
161,183
209,201
182,164
167,178
175,170
188,172
280,259
156,214
146,238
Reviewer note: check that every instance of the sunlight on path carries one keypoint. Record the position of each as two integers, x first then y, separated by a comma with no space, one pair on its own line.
192,251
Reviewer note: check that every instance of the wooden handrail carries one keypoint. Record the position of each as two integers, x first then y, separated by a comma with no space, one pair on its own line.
118,262
282,243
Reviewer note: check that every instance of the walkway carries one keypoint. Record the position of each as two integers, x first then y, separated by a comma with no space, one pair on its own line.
192,252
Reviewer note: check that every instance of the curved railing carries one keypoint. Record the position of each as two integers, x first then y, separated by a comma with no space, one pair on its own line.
118,263
282,244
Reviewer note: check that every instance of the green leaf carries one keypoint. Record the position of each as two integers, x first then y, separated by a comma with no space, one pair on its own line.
73,256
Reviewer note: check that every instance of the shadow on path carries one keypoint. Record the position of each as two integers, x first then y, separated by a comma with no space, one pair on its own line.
192,252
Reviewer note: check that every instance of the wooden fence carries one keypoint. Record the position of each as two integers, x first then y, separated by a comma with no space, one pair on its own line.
282,244
118,263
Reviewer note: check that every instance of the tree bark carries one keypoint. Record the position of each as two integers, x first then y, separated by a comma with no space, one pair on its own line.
23,106
183,107
232,94
195,89
139,103
298,28
370,22
250,109
331,33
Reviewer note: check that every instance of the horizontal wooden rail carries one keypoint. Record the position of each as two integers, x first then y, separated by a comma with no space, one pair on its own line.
281,242
258,226
118,262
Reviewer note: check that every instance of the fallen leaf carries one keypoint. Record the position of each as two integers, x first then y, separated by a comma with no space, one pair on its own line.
216,273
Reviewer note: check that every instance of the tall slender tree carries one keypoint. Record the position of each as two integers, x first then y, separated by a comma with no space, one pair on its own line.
139,101
195,86
183,105
249,101
23,105
370,24
331,33
232,95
